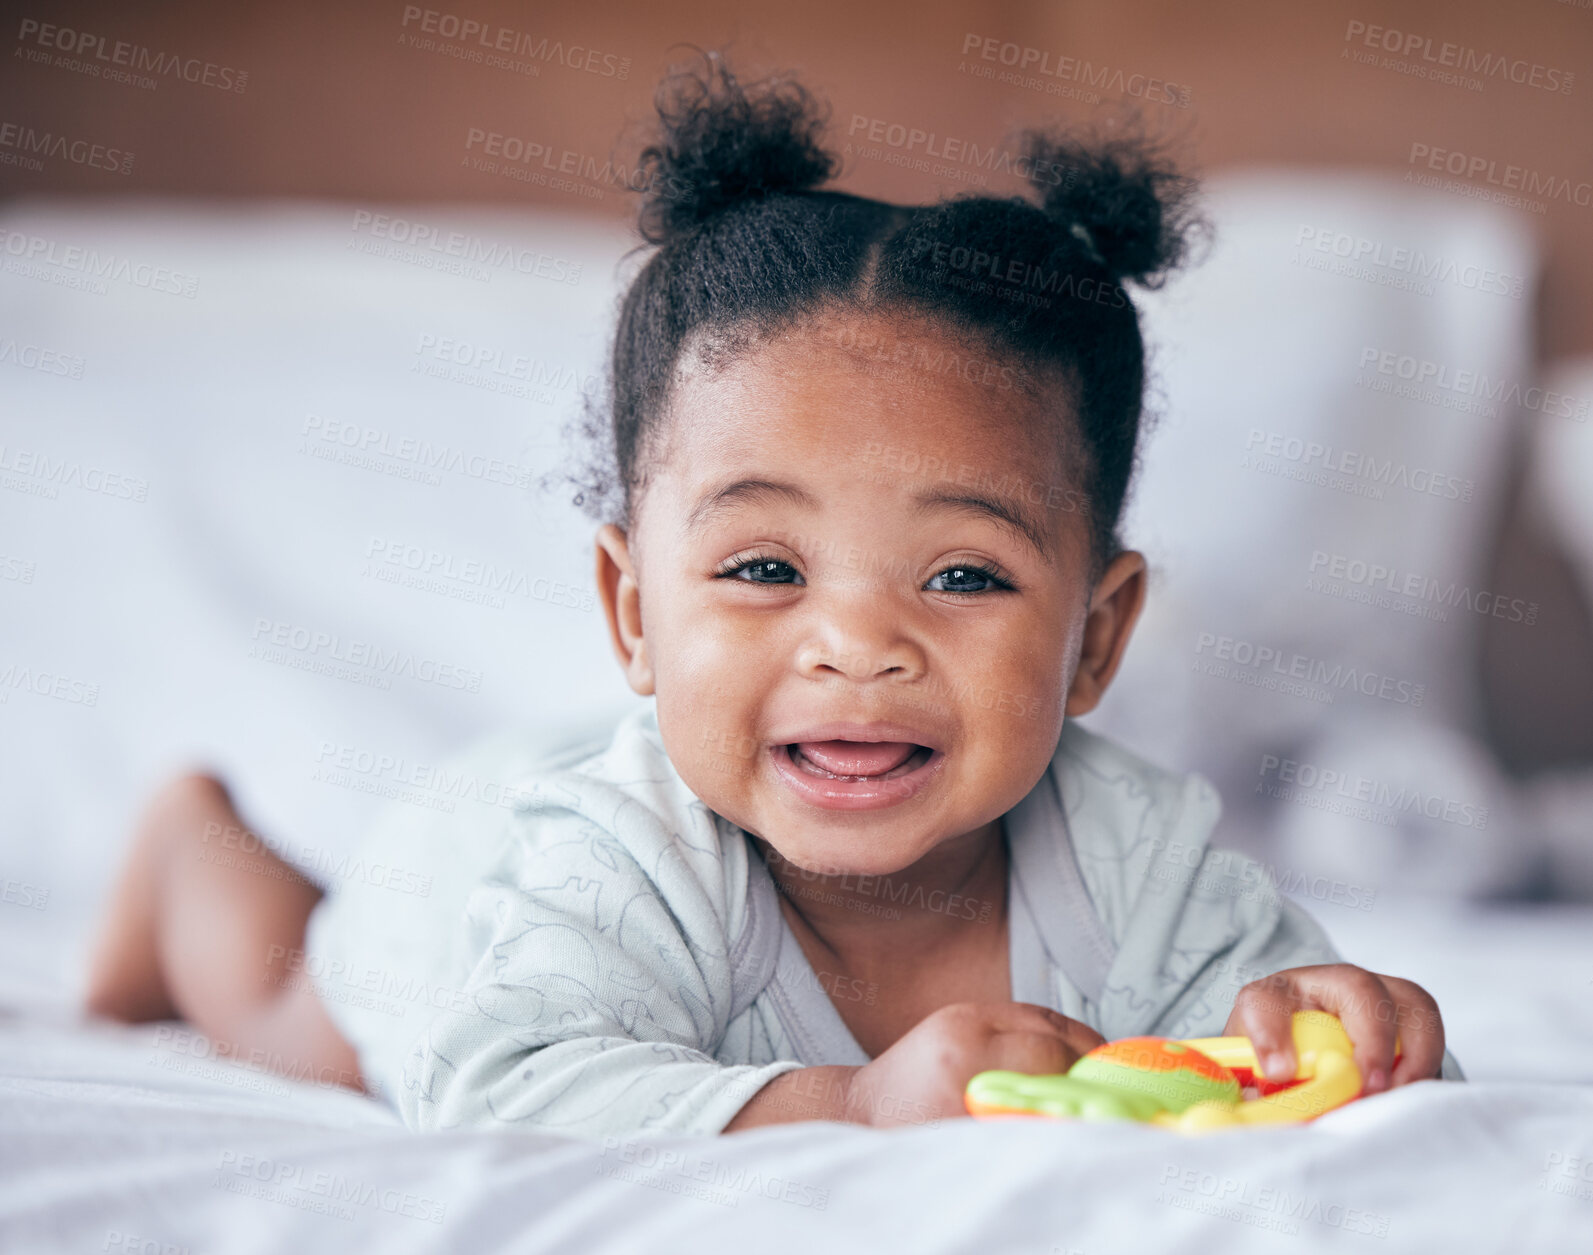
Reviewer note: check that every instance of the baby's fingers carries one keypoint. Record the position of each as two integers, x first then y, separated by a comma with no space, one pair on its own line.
1264,1012
1367,1010
1421,1031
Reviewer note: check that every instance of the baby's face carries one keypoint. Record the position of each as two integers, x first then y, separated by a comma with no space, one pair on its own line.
859,586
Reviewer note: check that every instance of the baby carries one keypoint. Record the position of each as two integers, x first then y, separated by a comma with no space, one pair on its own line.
860,548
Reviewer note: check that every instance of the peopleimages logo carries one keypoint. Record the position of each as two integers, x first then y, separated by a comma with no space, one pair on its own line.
1509,177
469,579
408,456
40,474
911,141
488,41
1287,665
1458,58
1375,577
660,1164
422,242
1015,277
1267,1207
1428,379
18,678
453,782
46,361
1366,473
37,251
298,1185
536,157
101,57
1022,59
31,144
1411,263
1298,778
299,647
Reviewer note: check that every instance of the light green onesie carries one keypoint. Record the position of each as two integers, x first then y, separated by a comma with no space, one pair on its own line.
596,953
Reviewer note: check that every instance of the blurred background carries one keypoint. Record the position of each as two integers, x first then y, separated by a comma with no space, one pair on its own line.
297,300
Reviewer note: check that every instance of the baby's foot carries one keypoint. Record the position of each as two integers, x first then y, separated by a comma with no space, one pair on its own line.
125,977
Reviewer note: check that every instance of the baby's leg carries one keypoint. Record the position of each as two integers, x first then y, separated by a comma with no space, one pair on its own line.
203,925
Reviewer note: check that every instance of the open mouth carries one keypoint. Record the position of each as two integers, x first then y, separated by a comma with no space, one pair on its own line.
856,775
858,760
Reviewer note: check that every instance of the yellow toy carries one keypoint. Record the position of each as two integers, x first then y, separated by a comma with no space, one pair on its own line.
1192,1085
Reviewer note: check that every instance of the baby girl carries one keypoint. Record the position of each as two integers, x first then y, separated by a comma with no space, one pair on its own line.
860,473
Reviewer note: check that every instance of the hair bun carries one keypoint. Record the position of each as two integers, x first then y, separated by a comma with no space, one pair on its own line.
723,143
1130,210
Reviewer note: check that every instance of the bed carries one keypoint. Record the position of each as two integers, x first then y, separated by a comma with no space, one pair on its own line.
216,445
139,1139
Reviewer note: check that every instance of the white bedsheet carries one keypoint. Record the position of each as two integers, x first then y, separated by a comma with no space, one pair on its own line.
98,1138
115,1138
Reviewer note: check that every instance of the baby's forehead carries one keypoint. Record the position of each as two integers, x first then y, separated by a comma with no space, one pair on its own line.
903,338
875,363
851,400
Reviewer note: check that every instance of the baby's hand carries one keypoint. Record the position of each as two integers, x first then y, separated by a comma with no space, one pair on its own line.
922,1076
1372,1008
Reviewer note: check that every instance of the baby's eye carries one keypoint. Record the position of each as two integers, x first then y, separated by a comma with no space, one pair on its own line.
953,579
764,571
967,579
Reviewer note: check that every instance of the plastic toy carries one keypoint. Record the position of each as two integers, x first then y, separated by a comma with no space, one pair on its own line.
1191,1085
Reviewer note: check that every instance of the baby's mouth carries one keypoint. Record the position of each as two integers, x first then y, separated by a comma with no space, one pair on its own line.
858,760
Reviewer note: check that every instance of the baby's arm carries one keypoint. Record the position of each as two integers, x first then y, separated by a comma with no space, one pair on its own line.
601,988
594,1004
921,1077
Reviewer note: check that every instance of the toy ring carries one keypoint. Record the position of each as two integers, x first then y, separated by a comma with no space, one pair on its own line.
1191,1085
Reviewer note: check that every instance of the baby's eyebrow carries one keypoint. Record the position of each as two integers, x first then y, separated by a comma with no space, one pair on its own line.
1010,515
738,491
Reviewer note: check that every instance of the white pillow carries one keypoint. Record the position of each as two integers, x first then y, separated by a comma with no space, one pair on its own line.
1287,463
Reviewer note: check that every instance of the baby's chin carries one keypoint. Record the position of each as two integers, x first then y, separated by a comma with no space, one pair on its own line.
845,858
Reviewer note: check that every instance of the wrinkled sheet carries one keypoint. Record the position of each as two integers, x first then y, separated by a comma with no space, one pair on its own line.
111,1139
116,1138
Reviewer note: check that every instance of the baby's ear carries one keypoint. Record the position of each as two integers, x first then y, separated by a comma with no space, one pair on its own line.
1114,609
622,603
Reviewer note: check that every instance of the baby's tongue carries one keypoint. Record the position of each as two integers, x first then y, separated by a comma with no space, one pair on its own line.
857,758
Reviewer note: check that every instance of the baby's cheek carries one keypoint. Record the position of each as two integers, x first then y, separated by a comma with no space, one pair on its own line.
1010,736
720,764
1030,675
707,690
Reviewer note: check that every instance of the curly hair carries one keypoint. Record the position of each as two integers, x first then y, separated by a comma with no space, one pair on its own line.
749,242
